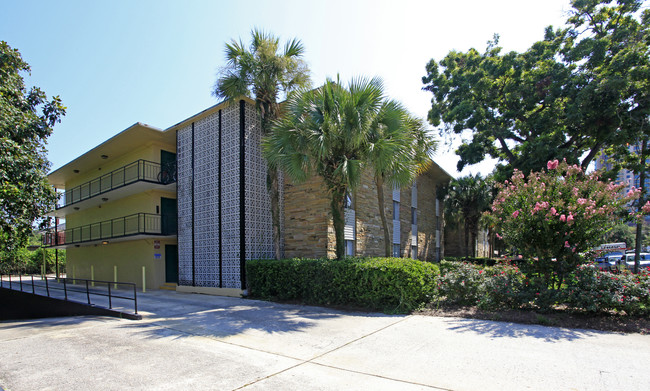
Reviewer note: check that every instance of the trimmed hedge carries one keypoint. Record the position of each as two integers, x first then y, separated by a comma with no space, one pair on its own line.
387,284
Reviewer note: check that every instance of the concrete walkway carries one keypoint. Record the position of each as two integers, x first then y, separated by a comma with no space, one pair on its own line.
189,341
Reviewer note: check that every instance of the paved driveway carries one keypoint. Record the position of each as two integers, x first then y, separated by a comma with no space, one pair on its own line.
189,341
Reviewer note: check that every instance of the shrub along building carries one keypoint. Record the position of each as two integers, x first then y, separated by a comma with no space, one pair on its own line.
187,206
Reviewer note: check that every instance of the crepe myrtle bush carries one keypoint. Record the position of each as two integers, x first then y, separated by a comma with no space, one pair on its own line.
554,215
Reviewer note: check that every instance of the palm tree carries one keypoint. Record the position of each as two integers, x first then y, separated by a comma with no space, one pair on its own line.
398,151
326,131
468,197
261,72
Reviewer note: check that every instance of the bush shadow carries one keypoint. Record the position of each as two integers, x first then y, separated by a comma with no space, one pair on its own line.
496,329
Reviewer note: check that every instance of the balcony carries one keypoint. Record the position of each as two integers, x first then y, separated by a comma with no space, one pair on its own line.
145,173
119,229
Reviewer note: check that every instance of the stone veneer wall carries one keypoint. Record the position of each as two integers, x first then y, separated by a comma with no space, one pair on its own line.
455,242
427,217
309,231
370,235
307,219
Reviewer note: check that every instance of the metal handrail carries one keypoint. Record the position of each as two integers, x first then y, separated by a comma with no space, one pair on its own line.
135,224
139,170
66,289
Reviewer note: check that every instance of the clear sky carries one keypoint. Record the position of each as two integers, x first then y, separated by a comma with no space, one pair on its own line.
115,63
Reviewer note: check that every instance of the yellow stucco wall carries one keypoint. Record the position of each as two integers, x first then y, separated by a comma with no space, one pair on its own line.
129,257
145,202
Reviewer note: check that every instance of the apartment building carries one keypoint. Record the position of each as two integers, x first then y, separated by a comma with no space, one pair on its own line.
190,205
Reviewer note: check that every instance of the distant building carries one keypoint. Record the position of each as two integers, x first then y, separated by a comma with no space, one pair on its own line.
625,176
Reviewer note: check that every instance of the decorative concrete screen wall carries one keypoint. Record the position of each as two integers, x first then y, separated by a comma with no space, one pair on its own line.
221,222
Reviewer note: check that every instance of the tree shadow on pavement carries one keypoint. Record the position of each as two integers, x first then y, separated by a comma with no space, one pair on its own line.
224,317
496,329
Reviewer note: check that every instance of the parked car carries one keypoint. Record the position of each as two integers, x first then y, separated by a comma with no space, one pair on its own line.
609,262
644,261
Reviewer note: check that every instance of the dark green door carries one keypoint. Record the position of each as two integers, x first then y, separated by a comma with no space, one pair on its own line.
167,167
171,263
169,216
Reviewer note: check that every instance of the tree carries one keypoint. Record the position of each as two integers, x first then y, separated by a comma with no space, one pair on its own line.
325,131
26,120
467,198
261,72
398,149
554,215
566,97
631,64
620,233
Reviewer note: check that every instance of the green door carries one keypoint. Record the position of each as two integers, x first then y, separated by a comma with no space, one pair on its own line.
169,216
167,167
171,263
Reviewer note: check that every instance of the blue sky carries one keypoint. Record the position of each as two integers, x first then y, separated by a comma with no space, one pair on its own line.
120,62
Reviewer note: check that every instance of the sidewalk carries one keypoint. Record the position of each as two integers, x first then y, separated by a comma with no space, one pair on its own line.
219,343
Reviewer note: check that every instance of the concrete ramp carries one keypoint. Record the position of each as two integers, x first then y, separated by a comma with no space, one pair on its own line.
23,305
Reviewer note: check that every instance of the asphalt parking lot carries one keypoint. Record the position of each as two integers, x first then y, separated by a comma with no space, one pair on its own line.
219,343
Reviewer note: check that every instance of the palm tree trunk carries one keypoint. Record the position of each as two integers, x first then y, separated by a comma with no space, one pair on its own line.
338,217
379,182
274,187
466,240
474,243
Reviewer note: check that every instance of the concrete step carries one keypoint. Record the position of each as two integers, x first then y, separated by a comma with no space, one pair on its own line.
169,286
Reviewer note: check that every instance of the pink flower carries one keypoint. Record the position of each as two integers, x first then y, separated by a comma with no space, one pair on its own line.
569,218
553,211
646,207
515,214
581,201
566,243
562,218
552,164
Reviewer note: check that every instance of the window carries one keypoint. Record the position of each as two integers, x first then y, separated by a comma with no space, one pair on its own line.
349,248
347,201
397,251
395,210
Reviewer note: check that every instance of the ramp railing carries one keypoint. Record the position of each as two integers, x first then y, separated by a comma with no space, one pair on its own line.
75,289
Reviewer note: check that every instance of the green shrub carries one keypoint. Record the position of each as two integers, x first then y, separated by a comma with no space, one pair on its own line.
465,284
484,261
388,284
594,291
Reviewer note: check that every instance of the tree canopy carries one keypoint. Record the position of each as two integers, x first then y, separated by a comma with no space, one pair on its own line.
567,96
26,120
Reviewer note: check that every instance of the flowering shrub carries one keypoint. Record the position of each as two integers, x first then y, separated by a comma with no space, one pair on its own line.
596,291
459,283
552,216
493,287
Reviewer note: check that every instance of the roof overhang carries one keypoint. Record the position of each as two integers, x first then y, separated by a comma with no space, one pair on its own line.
136,134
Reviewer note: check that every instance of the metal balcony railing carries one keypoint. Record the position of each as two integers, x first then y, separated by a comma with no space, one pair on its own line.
135,224
140,170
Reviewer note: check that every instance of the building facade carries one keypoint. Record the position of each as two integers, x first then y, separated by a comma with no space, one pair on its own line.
119,206
221,208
